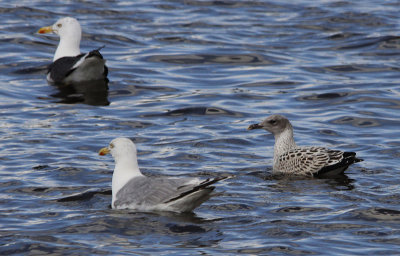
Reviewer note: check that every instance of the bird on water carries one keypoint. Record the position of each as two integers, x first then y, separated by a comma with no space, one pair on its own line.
296,160
133,190
69,64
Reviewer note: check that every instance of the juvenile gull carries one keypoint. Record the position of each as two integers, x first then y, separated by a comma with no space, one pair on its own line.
292,159
69,65
133,190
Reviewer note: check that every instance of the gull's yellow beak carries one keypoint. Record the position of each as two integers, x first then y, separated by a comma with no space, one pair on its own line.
104,151
45,30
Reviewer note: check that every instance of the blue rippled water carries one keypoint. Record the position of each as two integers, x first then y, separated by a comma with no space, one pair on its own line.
186,79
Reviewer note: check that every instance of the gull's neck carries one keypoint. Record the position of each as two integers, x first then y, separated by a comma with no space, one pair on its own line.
68,46
126,168
283,142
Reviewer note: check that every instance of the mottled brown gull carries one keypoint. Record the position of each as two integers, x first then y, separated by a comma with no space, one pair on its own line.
292,159
133,190
69,65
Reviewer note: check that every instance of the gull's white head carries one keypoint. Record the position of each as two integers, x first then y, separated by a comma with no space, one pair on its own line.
120,148
123,151
70,32
68,27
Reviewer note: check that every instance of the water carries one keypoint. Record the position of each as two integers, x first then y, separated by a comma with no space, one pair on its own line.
186,79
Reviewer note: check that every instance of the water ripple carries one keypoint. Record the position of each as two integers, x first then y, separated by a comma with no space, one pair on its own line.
186,80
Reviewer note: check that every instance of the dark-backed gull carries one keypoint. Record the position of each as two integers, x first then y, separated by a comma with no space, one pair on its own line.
69,64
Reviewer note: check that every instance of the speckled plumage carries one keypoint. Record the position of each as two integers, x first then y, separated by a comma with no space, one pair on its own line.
292,159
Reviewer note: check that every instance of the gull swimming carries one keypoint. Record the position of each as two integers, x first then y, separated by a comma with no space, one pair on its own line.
69,64
292,159
133,190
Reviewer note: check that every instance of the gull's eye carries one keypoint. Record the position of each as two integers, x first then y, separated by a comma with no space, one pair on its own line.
59,25
273,121
111,145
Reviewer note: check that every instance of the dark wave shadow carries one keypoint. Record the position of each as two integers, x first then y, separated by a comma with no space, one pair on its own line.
271,83
382,41
357,121
93,93
323,96
84,196
31,70
351,68
198,111
252,59
343,35
377,214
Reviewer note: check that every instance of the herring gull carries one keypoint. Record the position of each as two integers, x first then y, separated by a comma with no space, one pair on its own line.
133,190
69,64
292,159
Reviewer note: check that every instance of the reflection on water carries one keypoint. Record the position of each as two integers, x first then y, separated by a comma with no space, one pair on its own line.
186,80
92,93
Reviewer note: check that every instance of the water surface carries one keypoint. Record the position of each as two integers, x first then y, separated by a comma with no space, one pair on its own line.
186,79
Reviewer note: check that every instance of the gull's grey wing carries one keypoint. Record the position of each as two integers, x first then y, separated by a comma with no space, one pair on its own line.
151,191
308,160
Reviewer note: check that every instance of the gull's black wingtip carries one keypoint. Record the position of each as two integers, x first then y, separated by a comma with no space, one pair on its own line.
356,160
101,47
